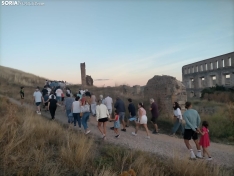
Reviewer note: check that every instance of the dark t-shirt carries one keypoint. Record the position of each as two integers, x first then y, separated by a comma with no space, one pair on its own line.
119,105
132,109
53,103
46,97
22,93
154,110
44,92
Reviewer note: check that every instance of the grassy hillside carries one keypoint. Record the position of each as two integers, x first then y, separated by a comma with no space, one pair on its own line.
33,145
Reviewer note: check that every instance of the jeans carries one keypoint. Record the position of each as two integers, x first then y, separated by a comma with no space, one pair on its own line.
84,120
77,118
178,125
70,119
52,111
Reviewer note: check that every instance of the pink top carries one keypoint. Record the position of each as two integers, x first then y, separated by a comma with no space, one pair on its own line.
143,112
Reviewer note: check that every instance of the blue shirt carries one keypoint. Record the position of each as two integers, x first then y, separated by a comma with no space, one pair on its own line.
192,119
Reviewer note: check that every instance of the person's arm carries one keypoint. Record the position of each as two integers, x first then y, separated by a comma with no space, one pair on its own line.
179,113
107,113
72,108
97,113
48,104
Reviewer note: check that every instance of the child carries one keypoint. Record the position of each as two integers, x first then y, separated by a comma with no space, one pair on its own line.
116,124
204,140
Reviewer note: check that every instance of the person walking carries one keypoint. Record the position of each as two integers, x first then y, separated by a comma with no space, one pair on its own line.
76,110
85,108
52,104
37,96
154,112
178,123
44,91
59,94
108,102
68,106
101,98
142,120
116,124
93,104
22,95
192,120
102,116
205,139
120,107
46,101
132,112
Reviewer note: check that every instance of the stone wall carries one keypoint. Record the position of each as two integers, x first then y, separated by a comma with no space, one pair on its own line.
207,73
165,90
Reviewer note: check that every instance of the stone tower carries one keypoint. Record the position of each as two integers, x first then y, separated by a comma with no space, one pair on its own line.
83,73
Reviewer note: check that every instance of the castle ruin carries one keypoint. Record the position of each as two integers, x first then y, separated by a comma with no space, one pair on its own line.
83,74
207,73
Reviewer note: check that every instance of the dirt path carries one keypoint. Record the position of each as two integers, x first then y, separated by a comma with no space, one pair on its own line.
161,144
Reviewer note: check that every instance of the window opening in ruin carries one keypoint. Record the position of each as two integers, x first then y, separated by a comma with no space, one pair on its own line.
193,69
206,66
217,64
189,70
230,61
192,83
211,66
227,80
202,81
185,71
197,68
213,80
223,63
192,94
201,67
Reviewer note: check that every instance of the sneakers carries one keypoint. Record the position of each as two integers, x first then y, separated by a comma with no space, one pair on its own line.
117,136
209,159
39,112
155,132
87,132
80,129
198,155
192,155
134,134
123,130
112,128
147,137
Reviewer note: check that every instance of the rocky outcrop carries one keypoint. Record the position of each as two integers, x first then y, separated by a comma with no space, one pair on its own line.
165,90
89,80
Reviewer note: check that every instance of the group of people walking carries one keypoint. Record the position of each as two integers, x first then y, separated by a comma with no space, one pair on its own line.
84,104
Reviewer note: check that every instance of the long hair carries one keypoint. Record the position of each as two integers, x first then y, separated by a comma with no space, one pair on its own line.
141,105
176,106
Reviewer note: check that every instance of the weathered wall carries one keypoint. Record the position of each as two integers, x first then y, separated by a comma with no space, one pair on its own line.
207,73
83,74
165,90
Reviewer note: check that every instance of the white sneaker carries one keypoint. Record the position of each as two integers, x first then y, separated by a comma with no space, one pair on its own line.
147,137
198,155
134,134
192,156
209,159
80,128
87,132
39,113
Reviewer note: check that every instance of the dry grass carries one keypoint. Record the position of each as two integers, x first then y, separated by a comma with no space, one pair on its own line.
32,145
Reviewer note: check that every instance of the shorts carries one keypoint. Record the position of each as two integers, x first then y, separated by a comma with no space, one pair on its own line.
58,98
133,118
46,104
117,124
189,133
103,120
154,120
121,116
143,120
38,103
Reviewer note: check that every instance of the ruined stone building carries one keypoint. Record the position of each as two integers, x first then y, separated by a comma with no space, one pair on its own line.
165,90
207,73
86,80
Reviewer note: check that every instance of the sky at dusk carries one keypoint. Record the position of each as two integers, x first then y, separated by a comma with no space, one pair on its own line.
120,41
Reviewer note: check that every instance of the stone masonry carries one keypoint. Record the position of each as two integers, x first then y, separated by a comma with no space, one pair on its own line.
83,74
165,90
207,73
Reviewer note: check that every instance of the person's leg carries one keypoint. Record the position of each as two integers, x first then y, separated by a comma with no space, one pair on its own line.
121,116
187,144
67,113
79,120
205,150
104,128
175,126
137,127
146,128
198,155
75,118
51,112
84,121
99,127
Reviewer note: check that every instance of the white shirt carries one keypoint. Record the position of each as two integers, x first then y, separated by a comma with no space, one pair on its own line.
68,91
76,108
177,113
85,108
102,111
108,102
59,92
37,96
49,90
